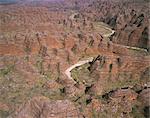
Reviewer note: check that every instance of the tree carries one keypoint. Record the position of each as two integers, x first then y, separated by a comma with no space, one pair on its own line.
92,26
80,36
74,48
110,67
58,68
27,44
43,51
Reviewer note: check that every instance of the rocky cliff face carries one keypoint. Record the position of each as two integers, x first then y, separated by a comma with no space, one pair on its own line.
39,41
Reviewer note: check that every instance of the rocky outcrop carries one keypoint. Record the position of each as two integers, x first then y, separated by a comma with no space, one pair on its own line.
144,96
42,107
128,18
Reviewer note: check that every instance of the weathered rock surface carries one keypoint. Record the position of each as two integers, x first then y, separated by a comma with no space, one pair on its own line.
40,40
42,107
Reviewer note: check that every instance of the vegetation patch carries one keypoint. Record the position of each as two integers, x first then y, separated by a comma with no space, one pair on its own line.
7,70
4,114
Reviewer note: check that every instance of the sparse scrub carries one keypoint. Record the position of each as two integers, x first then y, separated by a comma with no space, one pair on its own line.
136,112
4,114
7,70
74,49
39,65
91,26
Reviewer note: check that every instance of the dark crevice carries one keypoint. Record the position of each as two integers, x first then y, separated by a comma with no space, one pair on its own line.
107,95
77,99
147,111
63,90
88,101
144,38
110,67
125,88
87,89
